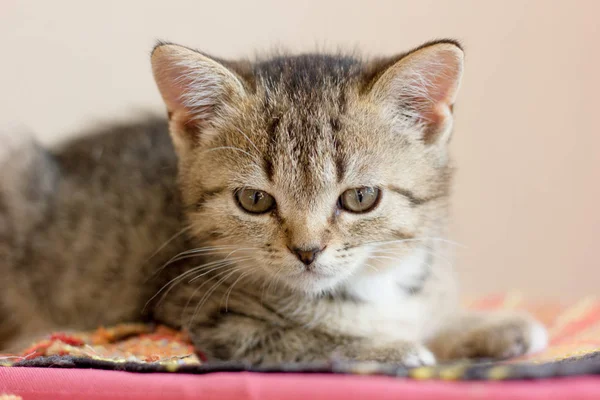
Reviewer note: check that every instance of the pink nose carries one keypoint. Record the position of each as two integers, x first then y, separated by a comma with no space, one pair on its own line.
307,256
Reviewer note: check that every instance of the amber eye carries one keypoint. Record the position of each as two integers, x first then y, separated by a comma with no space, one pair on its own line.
359,200
255,201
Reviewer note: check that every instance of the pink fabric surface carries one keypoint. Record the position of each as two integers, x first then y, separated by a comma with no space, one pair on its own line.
67,384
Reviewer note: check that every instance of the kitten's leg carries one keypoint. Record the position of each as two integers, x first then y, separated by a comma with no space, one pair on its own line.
489,335
241,337
239,326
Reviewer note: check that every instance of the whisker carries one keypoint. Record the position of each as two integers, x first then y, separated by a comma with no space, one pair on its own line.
228,293
203,250
210,292
248,139
193,256
166,289
193,295
175,236
426,249
193,253
270,281
434,254
231,148
243,248
421,239
171,283
371,266
276,278
227,263
386,258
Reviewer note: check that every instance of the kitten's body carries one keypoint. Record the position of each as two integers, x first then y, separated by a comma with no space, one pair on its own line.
91,226
80,224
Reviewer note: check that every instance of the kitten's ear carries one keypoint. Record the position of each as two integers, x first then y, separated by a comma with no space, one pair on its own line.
421,87
194,88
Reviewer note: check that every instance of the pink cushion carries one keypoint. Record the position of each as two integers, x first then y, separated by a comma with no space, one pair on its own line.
66,384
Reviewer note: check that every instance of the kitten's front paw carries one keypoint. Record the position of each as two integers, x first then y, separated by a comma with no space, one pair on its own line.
504,337
419,356
405,353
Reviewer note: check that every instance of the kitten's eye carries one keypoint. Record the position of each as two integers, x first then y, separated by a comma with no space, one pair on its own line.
255,201
359,200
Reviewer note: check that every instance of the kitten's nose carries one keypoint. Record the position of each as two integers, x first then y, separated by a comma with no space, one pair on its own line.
307,256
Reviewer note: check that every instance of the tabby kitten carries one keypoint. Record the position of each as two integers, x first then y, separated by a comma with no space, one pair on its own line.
303,216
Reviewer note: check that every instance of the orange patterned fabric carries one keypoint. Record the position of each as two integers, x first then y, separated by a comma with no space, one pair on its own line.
124,342
574,331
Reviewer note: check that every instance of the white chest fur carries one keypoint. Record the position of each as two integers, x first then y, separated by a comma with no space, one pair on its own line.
385,310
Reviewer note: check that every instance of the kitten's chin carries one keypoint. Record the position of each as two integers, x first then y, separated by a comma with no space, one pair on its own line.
312,289
312,283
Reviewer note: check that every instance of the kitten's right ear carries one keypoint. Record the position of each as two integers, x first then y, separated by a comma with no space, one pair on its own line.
194,88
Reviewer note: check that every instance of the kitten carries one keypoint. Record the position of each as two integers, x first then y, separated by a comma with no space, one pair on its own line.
299,215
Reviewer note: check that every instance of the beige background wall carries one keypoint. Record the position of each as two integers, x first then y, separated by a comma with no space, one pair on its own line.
527,141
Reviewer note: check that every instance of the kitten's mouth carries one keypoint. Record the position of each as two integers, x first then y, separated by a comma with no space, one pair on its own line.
314,271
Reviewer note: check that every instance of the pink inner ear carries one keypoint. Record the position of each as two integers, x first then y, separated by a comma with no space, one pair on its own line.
189,84
444,80
172,86
434,109
193,86
431,90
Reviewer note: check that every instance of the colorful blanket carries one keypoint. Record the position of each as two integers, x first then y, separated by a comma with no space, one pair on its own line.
574,350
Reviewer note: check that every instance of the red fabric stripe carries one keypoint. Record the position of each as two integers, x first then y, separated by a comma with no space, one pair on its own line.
577,326
67,384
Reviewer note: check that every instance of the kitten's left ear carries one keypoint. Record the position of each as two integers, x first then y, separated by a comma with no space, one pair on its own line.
421,87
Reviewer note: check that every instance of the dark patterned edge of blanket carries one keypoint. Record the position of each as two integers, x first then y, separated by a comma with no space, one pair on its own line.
588,364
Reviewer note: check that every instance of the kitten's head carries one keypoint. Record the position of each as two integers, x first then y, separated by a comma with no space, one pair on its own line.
304,166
